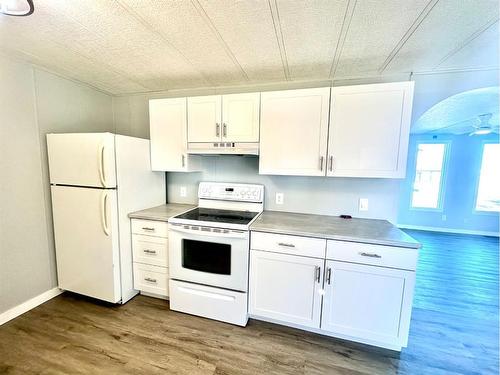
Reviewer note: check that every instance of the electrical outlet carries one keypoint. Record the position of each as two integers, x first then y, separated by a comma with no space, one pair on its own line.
363,204
443,217
183,191
279,198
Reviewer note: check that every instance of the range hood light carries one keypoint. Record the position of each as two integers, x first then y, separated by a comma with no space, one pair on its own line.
18,8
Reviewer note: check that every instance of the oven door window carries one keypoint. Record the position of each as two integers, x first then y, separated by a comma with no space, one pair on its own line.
206,256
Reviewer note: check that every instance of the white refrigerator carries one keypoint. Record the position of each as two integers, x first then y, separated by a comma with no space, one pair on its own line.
96,180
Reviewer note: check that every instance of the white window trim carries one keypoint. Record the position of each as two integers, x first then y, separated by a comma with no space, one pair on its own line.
478,180
444,175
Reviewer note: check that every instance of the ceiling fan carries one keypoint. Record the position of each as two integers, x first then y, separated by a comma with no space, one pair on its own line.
484,127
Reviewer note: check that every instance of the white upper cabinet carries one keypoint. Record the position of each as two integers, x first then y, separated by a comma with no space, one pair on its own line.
369,130
204,116
167,120
240,117
224,118
294,127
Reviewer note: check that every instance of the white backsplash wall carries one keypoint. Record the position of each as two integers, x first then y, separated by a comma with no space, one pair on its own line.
315,195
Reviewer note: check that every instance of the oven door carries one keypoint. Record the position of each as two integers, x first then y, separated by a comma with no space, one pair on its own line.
209,256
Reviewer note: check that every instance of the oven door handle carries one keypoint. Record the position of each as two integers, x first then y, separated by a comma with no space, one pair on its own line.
231,234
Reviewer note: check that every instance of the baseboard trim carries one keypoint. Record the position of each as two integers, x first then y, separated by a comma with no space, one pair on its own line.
28,305
450,230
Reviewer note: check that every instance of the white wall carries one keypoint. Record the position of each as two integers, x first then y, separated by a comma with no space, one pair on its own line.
317,195
34,103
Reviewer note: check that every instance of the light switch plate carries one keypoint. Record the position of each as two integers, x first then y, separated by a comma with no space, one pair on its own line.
279,198
183,191
363,204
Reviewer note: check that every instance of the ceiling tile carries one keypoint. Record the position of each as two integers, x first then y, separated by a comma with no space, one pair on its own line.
376,28
187,30
480,53
247,28
445,28
310,31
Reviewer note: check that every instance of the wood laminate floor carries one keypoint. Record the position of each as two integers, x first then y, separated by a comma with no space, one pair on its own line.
454,330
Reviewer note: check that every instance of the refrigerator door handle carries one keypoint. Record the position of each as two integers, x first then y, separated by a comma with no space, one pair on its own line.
101,166
104,213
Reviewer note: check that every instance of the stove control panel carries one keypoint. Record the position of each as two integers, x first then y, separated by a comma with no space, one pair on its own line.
231,192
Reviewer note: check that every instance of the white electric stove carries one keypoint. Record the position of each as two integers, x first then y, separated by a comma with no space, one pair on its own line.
209,249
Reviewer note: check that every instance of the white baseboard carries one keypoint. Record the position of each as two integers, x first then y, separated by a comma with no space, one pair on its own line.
28,305
450,230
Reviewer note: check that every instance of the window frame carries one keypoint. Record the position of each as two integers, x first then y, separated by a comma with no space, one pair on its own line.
444,174
475,211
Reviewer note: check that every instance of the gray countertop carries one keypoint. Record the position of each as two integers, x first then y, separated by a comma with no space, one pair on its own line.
379,232
161,213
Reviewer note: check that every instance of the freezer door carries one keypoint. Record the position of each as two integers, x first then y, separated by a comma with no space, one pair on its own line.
82,159
86,239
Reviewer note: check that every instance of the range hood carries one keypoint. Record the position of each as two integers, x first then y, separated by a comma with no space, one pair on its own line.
223,148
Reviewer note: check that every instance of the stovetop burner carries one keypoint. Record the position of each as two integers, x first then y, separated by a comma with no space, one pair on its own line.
218,216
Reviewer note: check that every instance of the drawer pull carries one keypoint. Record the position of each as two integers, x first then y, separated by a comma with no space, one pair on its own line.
328,275
286,244
149,229
147,251
150,280
371,255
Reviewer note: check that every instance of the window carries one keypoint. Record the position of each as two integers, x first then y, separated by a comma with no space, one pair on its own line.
428,175
488,192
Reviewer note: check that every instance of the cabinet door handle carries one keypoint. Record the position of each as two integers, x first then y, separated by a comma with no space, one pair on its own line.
317,273
224,130
149,229
321,159
147,251
183,160
150,280
217,129
371,255
328,275
286,244
331,163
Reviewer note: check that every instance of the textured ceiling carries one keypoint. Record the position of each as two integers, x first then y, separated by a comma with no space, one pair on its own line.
128,46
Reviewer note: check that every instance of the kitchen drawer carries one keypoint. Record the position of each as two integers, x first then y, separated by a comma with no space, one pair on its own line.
287,244
377,255
213,303
150,250
151,279
150,227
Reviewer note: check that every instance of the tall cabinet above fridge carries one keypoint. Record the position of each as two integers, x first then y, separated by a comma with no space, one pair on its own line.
96,180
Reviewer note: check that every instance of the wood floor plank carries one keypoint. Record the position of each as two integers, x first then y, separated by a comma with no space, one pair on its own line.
454,330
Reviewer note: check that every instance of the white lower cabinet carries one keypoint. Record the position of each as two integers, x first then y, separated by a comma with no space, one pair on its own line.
369,303
150,256
286,287
360,292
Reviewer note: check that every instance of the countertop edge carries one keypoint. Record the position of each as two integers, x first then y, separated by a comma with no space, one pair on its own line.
406,245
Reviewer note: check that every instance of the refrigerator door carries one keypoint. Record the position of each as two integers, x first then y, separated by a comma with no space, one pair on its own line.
82,159
86,239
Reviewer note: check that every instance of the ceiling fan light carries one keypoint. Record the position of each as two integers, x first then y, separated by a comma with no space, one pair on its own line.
16,8
483,131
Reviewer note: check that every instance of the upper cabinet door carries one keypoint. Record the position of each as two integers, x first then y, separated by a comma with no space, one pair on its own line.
293,132
240,117
204,118
82,159
167,128
369,130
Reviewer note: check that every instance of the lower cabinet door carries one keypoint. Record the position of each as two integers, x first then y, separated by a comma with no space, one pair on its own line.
367,302
286,288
